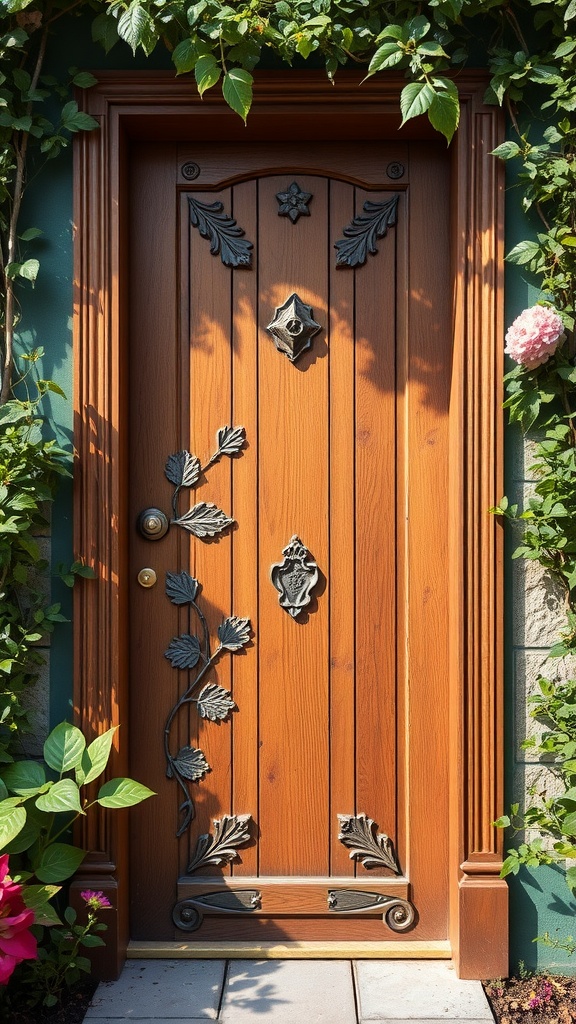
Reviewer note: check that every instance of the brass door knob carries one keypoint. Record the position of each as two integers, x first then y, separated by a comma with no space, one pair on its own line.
153,523
147,577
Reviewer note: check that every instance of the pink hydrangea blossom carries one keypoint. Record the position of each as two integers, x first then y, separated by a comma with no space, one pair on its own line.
534,336
16,942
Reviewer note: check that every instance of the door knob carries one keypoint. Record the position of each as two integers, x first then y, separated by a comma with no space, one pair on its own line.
153,523
147,578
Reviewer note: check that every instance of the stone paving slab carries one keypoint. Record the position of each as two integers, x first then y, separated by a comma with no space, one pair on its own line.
289,992
156,990
401,990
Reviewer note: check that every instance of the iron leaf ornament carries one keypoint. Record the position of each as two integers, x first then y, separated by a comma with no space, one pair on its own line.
224,234
374,851
230,832
183,469
366,228
192,654
295,577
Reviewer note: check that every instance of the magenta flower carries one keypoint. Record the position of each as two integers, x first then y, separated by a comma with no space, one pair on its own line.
534,336
95,900
16,942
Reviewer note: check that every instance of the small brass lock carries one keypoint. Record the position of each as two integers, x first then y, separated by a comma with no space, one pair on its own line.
147,577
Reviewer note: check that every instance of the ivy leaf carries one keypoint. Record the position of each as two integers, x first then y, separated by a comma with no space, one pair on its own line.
207,72
230,440
234,633
183,651
181,588
415,99
191,764
204,520
215,703
237,91
183,469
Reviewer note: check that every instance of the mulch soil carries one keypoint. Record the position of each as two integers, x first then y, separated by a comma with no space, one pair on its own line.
539,999
72,1010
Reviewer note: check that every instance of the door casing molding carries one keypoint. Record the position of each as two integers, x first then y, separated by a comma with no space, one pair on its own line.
156,106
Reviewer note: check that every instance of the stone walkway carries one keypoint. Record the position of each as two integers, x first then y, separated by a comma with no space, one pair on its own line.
289,992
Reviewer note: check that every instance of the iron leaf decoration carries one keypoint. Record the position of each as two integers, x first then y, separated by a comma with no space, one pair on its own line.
215,703
357,833
181,587
295,577
230,832
183,469
204,520
193,654
225,236
361,235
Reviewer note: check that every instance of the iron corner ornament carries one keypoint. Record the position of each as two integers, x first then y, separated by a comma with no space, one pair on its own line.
295,577
374,851
365,228
224,234
293,327
399,914
230,832
187,914
293,203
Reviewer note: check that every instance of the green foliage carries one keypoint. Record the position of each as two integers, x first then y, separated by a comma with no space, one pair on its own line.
37,810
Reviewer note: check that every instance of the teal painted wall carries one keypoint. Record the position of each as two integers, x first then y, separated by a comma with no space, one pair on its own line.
539,899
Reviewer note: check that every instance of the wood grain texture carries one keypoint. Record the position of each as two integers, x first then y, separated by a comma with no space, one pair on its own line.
329,950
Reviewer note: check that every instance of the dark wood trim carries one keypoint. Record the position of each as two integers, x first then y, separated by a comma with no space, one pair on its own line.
158,106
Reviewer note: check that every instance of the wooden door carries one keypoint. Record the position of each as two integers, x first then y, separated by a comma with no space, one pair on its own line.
300,291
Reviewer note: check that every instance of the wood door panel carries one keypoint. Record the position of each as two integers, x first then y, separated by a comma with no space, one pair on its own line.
343,710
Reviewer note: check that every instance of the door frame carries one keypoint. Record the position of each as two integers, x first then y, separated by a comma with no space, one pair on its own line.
156,106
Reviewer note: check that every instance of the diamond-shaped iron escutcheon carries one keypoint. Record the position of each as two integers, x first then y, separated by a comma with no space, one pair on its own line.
293,327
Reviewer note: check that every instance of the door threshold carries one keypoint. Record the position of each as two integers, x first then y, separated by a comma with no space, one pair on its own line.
431,950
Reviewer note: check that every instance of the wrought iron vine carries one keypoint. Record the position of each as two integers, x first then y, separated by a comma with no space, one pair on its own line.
191,652
183,469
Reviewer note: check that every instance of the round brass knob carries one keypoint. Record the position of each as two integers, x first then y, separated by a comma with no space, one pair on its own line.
147,577
153,523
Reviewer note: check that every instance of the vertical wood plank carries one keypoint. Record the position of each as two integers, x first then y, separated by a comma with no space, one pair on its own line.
210,399
342,520
375,386
293,459
245,540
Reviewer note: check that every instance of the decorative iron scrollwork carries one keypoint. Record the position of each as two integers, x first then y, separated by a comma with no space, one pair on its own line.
223,232
398,914
361,235
293,202
189,652
184,470
187,914
230,832
295,577
357,833
293,327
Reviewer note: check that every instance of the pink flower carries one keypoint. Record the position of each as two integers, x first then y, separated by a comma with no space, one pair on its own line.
534,336
95,900
16,942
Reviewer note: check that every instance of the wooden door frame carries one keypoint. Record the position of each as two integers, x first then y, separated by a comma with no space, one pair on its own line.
152,105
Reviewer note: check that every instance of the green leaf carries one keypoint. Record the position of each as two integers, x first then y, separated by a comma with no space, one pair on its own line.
59,861
136,27
123,793
569,824
24,777
570,11
237,91
415,99
386,56
444,113
207,72
64,747
571,879
29,270
523,252
63,796
95,758
507,150
104,31
84,80
30,233
12,820
184,56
